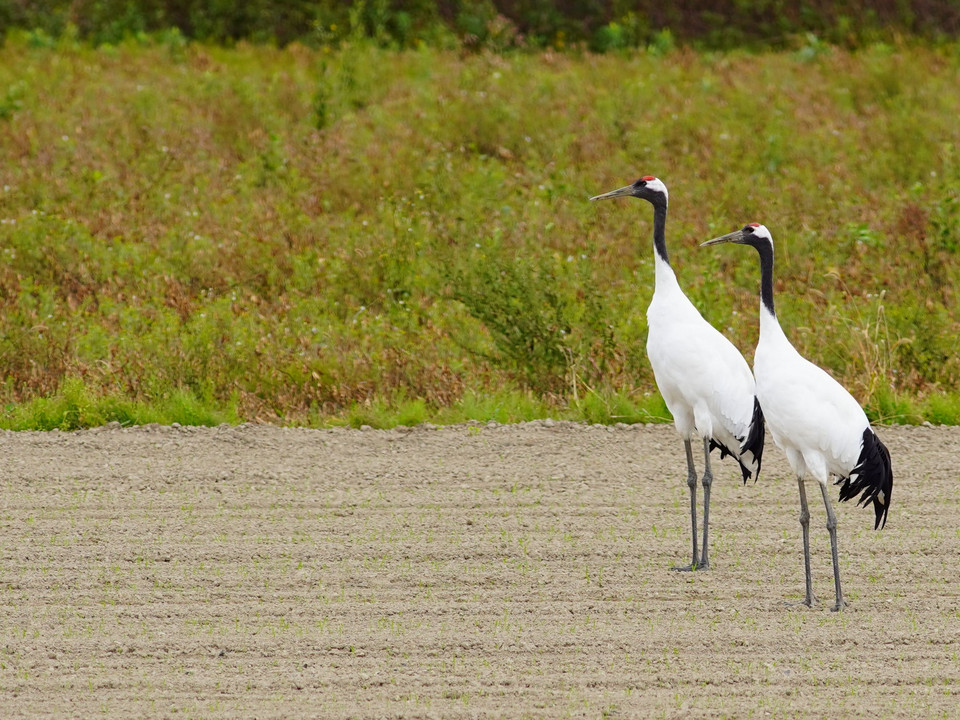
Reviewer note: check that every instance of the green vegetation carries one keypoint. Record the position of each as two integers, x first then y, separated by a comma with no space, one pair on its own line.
493,24
368,236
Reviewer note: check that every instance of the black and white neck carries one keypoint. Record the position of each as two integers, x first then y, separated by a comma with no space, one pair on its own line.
654,192
660,228
758,237
764,247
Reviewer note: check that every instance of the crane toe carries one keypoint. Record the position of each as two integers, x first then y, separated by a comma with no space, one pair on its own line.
806,602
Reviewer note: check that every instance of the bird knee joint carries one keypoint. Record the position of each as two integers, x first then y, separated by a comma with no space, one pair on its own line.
707,480
804,517
691,481
831,523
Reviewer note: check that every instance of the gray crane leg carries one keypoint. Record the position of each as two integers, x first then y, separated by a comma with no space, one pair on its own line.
707,482
805,524
692,484
832,529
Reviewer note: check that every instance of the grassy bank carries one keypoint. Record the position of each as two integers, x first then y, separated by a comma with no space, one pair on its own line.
197,234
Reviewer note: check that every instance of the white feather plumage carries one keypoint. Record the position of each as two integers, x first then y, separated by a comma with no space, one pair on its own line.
810,415
822,430
705,382
703,378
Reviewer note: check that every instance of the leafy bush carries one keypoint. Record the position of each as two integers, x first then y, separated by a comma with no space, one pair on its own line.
529,314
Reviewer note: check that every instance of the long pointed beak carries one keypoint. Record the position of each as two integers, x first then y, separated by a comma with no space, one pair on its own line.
735,236
622,192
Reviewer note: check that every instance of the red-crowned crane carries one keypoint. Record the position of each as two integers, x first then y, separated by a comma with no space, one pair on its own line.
817,423
704,380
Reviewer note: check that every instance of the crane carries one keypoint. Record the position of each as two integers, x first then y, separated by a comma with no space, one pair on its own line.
704,380
813,419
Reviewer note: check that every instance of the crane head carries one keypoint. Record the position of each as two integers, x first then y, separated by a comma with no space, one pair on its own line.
751,234
646,188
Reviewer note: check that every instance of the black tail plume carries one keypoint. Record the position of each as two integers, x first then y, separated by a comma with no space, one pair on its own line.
872,478
751,448
753,445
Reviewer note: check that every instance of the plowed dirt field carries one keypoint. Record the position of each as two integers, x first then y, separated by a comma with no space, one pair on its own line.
470,571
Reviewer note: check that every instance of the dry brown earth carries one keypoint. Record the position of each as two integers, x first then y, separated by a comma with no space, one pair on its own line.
472,571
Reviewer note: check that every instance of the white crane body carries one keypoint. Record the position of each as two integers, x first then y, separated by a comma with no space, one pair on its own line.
704,380
810,415
820,427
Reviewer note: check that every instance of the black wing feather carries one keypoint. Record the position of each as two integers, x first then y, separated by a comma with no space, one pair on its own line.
753,443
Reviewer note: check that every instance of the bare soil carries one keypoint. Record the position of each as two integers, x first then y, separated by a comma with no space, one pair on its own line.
470,571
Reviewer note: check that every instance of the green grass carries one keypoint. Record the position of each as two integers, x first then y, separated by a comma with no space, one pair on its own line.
76,406
200,235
